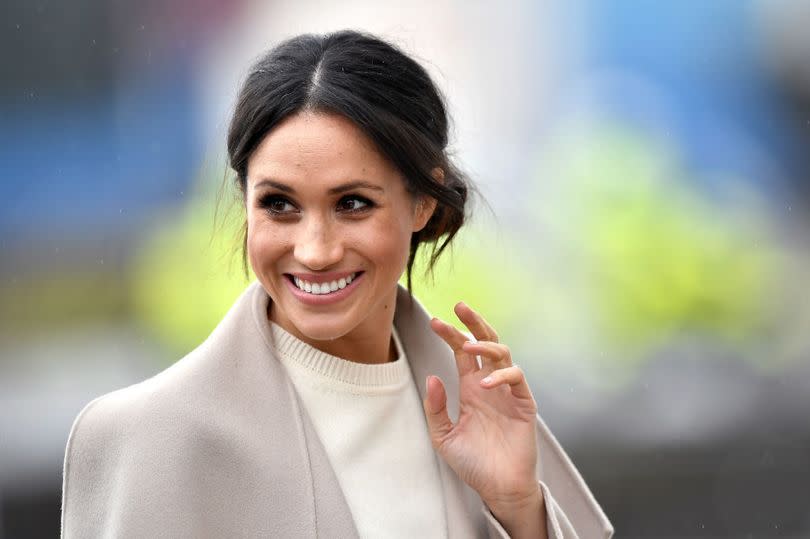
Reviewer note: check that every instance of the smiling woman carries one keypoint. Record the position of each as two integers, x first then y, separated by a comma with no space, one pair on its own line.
334,209
327,403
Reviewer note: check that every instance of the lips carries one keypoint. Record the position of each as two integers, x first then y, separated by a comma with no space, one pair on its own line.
323,289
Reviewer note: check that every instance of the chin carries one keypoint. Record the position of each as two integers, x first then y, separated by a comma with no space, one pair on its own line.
322,327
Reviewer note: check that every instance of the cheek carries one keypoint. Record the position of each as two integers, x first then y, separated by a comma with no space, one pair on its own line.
389,242
265,245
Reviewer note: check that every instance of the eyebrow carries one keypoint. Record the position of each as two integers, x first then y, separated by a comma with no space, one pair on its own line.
338,189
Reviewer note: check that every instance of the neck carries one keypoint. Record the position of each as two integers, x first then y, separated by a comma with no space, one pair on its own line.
370,342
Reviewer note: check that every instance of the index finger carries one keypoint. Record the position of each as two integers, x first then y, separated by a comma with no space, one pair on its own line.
475,323
452,336
465,362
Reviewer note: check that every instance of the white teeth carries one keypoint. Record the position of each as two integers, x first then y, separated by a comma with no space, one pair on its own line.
323,288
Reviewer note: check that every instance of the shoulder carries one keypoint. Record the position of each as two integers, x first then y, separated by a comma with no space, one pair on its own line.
102,456
141,449
203,378
135,448
209,382
219,386
110,427
174,403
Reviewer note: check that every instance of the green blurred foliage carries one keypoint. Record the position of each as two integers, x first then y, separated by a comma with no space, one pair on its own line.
47,301
188,271
662,260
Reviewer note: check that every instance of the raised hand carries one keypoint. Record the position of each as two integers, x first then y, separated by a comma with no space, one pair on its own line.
492,447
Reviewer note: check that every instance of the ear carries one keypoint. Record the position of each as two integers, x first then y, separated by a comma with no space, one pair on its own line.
426,205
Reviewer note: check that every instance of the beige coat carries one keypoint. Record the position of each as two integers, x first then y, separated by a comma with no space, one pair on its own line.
219,445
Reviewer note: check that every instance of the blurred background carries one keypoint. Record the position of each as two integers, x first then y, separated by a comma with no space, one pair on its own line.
643,247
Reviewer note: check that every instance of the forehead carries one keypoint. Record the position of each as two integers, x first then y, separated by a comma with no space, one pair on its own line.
319,146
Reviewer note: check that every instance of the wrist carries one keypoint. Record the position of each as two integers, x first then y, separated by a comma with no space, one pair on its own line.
518,503
522,516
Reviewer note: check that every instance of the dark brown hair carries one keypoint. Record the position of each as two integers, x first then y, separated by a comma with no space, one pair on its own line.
387,94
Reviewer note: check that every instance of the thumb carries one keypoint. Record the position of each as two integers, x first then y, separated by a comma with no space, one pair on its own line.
435,404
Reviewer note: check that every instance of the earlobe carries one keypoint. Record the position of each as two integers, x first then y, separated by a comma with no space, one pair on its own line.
438,174
425,207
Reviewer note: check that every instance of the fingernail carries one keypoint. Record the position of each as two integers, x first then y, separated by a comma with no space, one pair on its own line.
487,380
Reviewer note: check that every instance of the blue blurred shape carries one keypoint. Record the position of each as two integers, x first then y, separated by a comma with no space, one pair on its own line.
704,61
71,166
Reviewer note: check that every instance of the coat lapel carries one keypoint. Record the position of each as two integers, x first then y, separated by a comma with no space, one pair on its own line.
322,502
429,354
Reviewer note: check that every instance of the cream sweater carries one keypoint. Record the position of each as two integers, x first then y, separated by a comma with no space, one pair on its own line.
371,423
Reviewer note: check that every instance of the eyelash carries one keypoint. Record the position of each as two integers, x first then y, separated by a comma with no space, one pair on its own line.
267,202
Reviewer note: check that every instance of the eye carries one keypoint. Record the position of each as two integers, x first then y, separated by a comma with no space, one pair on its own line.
277,205
354,203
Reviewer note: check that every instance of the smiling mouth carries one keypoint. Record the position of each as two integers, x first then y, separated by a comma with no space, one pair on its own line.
324,288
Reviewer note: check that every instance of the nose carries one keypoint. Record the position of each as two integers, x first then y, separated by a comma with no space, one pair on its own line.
318,245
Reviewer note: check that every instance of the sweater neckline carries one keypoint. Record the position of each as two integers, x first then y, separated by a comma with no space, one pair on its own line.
336,368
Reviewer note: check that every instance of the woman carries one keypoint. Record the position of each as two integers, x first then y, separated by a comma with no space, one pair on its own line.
327,402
